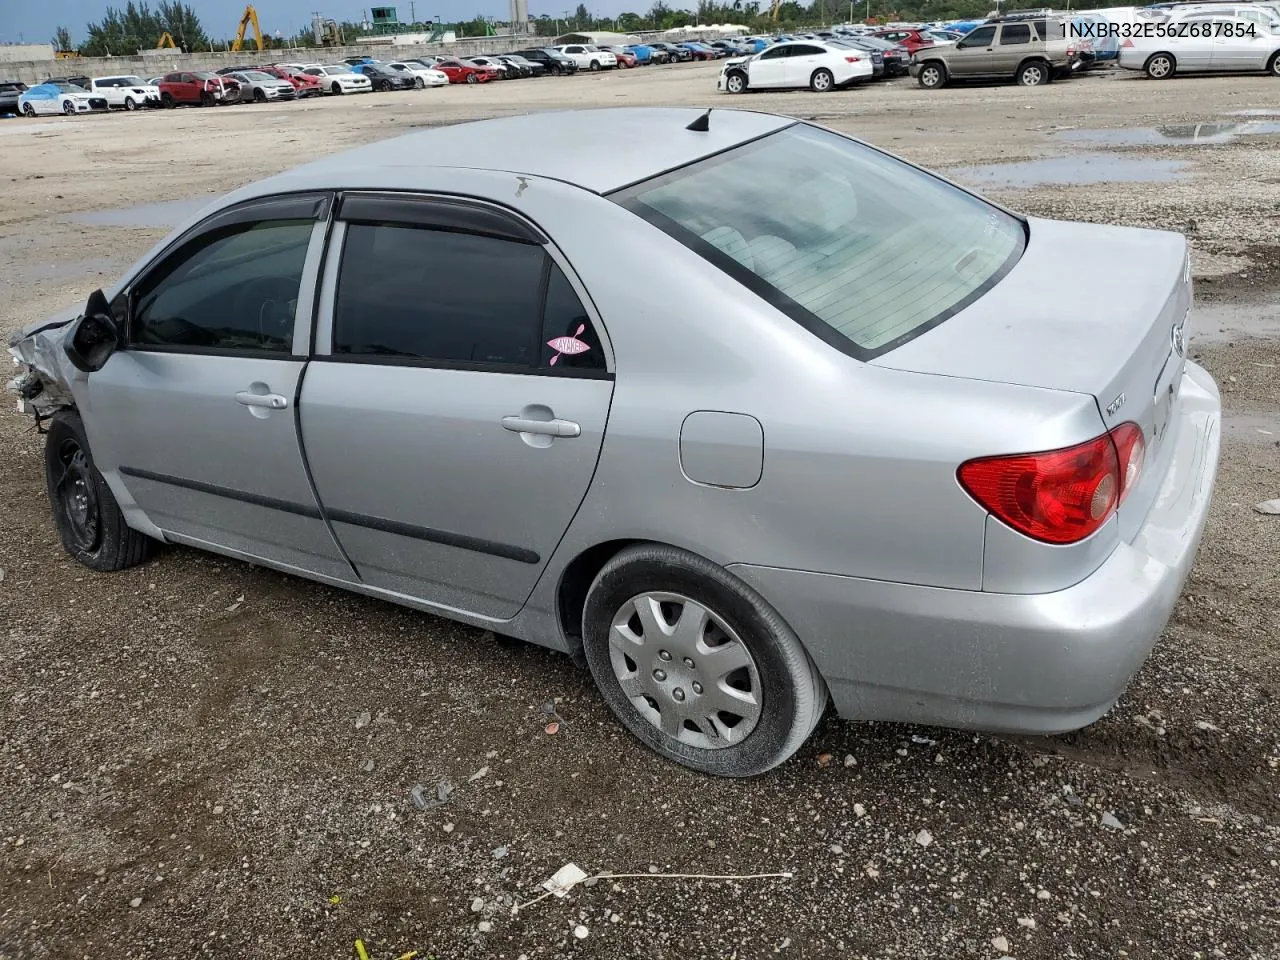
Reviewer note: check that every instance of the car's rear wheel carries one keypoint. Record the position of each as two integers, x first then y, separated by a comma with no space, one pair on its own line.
1033,74
90,523
736,82
696,664
1273,67
167,101
28,110
932,75
822,81
1162,66
130,103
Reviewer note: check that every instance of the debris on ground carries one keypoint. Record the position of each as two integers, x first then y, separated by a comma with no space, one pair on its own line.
362,719
924,838
1271,507
444,790
1110,820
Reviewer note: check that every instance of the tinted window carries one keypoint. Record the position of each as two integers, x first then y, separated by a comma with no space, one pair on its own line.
775,53
566,325
867,251
806,51
429,295
1015,33
231,289
980,37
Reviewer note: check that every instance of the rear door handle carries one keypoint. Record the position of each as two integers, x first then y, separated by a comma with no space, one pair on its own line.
272,401
546,428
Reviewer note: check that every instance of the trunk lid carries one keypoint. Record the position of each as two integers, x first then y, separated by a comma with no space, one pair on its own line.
1088,309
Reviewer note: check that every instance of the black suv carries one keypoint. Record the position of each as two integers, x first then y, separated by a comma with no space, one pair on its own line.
10,91
553,60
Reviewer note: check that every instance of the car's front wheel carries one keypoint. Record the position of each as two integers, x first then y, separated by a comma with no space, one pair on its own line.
1273,67
130,103
259,96
90,523
473,78
822,81
736,82
932,75
28,110
1033,74
419,83
1161,67
336,89
68,107
696,664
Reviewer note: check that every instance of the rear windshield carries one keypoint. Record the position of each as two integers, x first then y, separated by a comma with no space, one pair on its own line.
863,249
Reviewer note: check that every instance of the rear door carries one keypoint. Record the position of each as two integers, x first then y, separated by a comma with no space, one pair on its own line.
973,55
1013,43
455,409
1239,44
196,414
805,58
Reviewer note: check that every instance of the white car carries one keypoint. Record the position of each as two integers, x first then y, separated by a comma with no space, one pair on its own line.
588,57
425,76
820,65
1217,44
504,70
338,78
126,93
58,96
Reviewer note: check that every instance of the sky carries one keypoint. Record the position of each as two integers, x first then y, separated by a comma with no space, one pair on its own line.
26,21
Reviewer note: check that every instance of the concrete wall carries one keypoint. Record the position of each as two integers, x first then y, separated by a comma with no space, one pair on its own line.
153,63
22,52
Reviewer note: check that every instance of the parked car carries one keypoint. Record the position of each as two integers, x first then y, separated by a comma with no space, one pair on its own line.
1018,485
588,57
338,78
10,91
527,68
459,71
624,56
423,76
1095,41
675,52
1237,46
304,85
894,56
555,61
199,88
384,78
816,64
126,93
646,54
356,61
701,51
259,86
58,96
913,40
503,70
1028,52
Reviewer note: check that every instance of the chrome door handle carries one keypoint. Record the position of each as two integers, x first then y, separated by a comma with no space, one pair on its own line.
272,401
546,428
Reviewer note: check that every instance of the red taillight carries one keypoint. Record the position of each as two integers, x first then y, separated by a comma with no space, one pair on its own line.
1059,496
852,59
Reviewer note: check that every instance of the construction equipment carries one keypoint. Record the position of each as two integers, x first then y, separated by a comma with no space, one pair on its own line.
247,19
326,31
777,5
166,40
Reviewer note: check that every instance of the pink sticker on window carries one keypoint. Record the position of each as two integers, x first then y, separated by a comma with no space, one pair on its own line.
568,346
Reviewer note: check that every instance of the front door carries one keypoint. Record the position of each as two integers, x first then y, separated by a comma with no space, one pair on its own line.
973,54
770,68
195,417
455,409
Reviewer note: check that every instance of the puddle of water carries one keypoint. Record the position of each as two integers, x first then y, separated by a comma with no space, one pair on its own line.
1174,134
1082,168
1262,428
166,214
1223,322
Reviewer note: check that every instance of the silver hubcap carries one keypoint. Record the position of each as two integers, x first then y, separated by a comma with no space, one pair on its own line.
1031,76
685,670
931,75
821,81
1159,67
735,84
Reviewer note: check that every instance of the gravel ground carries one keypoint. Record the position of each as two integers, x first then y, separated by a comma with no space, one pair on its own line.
202,758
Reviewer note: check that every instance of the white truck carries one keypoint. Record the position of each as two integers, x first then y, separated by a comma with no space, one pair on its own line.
588,57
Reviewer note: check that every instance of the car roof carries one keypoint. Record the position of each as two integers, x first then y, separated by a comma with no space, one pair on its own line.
598,150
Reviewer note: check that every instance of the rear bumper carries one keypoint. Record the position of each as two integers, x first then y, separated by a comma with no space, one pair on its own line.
1031,663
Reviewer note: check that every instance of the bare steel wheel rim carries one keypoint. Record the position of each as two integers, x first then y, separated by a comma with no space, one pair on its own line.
77,496
685,670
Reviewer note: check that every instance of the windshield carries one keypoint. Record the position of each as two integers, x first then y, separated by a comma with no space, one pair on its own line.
65,87
338,69
255,75
864,250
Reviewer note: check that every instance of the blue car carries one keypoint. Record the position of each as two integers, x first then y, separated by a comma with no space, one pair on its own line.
643,52
1099,45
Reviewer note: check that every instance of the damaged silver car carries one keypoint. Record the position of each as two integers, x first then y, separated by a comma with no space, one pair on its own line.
739,452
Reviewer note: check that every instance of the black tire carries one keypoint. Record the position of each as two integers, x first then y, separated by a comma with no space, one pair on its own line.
206,99
473,78
68,108
1160,66
1273,65
259,96
419,83
933,74
89,521
130,103
28,110
166,101
792,694
336,89
595,66
1033,74
736,82
822,81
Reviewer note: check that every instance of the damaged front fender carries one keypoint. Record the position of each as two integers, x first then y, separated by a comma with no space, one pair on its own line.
45,381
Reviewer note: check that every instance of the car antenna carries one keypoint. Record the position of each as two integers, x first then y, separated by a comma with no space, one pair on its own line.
702,124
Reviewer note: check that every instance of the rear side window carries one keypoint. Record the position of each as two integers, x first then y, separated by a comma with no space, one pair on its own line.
1015,33
867,251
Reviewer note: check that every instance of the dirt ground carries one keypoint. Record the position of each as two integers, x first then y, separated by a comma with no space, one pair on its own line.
185,762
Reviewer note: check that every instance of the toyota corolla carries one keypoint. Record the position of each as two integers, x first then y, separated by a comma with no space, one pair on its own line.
856,441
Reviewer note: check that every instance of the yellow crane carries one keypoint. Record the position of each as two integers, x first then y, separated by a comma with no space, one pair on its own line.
249,18
166,40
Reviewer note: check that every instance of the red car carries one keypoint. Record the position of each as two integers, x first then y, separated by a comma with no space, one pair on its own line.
459,72
913,40
304,84
625,57
198,88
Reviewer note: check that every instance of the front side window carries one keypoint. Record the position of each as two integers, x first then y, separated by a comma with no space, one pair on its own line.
1015,33
867,251
232,289
415,293
980,37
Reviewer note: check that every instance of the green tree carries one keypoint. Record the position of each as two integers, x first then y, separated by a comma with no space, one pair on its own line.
62,40
138,27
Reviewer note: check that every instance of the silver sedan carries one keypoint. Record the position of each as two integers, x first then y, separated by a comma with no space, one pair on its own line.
742,449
